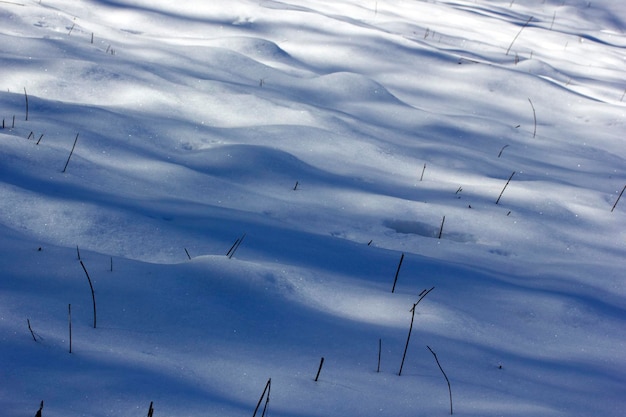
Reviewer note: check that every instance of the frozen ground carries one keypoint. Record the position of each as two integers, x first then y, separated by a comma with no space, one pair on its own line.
333,137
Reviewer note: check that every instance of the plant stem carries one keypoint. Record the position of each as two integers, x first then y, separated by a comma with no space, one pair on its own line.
397,272
319,369
380,348
267,386
31,330
617,201
267,399
71,152
444,375
441,228
93,294
534,118
38,414
518,33
26,97
235,246
505,185
406,347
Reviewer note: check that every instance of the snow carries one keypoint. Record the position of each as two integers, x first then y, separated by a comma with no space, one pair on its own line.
333,137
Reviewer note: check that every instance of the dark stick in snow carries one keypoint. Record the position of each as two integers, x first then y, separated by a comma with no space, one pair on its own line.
319,369
93,294
444,375
518,33
534,118
617,201
31,330
397,272
441,228
26,97
380,348
71,152
267,386
505,185
406,347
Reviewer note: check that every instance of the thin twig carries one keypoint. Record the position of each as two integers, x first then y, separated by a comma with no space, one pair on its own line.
319,369
235,246
518,33
31,330
406,347
267,399
620,196
38,413
93,294
534,118
444,375
71,152
441,228
397,272
505,185
232,247
267,385
26,97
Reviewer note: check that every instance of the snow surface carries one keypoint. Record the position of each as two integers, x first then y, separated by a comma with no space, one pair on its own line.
333,137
